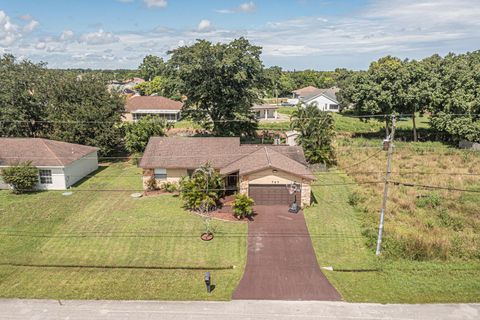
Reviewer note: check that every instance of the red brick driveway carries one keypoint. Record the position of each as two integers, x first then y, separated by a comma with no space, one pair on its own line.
281,263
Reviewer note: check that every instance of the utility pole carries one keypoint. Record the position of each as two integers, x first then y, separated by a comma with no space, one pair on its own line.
385,189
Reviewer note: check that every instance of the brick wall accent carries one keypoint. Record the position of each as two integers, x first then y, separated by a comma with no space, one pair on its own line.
244,185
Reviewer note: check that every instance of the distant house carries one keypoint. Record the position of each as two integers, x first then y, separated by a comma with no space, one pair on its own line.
125,87
265,111
140,106
264,172
60,164
325,99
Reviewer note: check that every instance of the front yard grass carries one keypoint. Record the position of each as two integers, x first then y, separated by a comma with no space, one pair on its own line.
335,229
107,245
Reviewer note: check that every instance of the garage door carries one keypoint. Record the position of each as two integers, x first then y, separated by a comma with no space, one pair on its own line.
267,194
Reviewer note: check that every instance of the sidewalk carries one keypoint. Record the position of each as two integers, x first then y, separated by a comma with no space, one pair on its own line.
233,310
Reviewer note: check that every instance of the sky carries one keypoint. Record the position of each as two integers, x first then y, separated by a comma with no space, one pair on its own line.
294,34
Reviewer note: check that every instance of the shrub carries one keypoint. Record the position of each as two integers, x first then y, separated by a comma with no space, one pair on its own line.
22,178
355,198
169,187
138,133
152,184
432,200
242,206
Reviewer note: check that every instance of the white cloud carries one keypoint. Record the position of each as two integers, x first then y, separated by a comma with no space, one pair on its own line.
32,25
41,45
99,37
204,25
67,35
156,3
9,32
26,17
246,7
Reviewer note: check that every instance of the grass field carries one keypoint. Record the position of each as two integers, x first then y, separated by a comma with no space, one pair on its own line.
335,228
422,223
54,246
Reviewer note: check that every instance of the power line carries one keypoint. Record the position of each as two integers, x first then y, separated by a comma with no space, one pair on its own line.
406,184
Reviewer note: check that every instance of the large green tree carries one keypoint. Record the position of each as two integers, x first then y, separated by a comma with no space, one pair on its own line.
24,96
151,67
83,111
221,83
317,133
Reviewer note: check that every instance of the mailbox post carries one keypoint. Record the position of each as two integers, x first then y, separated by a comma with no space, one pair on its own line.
208,282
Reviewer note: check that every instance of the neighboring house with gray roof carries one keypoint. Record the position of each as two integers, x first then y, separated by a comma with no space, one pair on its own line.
325,99
264,172
60,164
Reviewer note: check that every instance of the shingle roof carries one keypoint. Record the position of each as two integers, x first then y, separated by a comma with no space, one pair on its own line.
41,152
265,158
312,92
225,154
152,103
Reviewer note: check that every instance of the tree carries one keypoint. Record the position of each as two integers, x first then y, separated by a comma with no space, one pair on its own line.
156,86
151,67
455,103
23,97
83,111
203,190
22,178
221,83
316,130
138,133
242,206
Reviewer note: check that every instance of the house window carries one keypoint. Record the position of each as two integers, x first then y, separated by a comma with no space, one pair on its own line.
334,107
161,174
45,176
190,172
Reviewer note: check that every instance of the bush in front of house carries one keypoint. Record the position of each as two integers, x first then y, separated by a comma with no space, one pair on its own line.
169,187
138,133
22,178
243,206
203,190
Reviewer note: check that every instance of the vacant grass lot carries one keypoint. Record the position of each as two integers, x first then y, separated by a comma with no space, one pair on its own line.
335,228
54,246
422,223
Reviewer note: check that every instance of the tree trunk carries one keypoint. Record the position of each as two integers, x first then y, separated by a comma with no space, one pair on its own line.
415,137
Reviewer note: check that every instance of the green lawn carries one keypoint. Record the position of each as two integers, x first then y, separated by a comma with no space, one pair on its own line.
336,234
41,232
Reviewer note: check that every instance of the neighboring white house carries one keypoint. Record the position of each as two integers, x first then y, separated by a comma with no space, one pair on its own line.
325,99
140,106
265,111
60,164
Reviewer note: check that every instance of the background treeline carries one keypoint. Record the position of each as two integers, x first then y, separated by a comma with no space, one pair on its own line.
62,105
447,88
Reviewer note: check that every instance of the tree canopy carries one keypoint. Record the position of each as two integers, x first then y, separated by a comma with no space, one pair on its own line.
221,83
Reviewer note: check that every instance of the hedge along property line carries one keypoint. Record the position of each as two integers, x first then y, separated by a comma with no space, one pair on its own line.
72,266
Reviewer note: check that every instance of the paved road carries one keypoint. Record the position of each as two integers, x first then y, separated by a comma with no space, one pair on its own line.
281,262
234,310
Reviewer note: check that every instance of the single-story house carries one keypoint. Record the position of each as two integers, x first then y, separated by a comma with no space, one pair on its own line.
325,99
125,87
264,172
265,111
140,106
60,164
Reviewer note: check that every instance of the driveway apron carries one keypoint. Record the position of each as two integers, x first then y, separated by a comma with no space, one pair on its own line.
281,262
